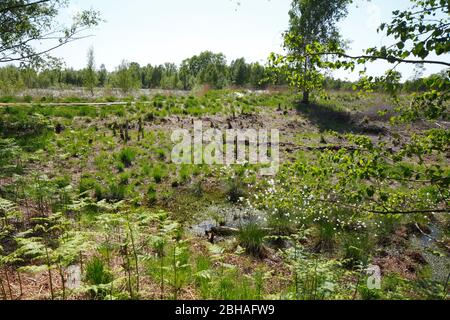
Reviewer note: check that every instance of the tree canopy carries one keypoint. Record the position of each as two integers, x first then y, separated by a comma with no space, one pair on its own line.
311,22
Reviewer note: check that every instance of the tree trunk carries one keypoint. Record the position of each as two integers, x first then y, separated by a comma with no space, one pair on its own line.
8,283
49,274
63,282
136,262
305,97
20,283
162,277
2,287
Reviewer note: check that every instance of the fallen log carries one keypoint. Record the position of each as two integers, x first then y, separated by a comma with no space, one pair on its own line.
224,231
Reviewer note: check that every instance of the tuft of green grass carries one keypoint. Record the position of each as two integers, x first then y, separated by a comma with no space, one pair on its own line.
235,189
127,156
251,238
117,192
161,154
356,248
158,173
97,275
151,195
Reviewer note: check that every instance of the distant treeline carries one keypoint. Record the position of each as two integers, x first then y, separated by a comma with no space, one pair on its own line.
207,68
418,84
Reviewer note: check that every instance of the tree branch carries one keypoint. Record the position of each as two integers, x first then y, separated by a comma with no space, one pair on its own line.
18,6
386,211
25,58
389,59
409,212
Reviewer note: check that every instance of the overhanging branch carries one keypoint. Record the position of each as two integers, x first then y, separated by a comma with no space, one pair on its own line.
389,59
19,6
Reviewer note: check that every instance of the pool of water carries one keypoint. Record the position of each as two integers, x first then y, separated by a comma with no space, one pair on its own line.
226,216
438,262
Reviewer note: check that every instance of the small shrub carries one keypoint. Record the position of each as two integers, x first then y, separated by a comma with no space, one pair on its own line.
281,223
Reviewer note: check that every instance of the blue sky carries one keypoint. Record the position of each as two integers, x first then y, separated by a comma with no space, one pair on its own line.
158,31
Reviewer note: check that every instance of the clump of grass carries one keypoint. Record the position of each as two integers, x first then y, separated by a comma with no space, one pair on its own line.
235,189
369,294
281,223
115,192
326,233
124,179
158,101
86,183
127,156
197,188
251,238
97,275
99,192
149,117
158,173
111,99
161,154
231,285
185,174
151,194
203,273
356,248
7,99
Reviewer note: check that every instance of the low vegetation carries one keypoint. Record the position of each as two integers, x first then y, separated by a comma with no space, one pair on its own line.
93,207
